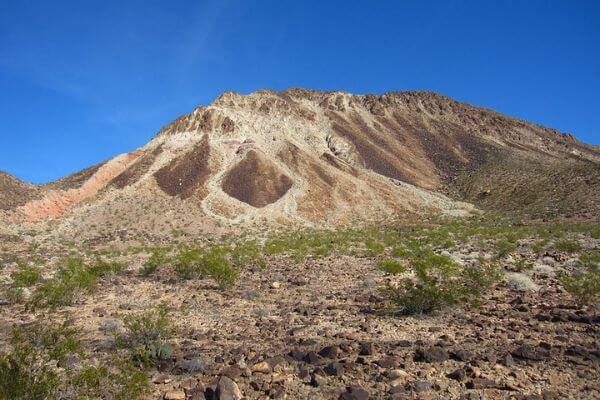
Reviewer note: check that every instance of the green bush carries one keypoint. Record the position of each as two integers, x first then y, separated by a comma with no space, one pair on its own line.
217,267
25,372
157,259
121,382
390,266
188,264
91,382
373,247
65,287
569,246
539,246
583,285
245,253
400,252
130,383
147,335
504,247
24,376
106,268
211,263
439,282
26,275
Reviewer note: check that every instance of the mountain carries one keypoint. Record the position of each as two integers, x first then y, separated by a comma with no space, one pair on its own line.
307,157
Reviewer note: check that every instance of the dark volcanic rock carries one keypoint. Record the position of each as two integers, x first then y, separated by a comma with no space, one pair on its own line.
354,393
334,369
531,352
329,352
431,354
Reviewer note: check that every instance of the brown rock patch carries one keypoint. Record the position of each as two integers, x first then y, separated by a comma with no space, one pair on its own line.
186,174
256,181
133,174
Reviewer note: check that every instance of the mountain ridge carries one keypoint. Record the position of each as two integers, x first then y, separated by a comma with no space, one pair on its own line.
303,156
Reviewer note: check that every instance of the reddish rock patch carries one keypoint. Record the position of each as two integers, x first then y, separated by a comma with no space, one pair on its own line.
185,175
256,181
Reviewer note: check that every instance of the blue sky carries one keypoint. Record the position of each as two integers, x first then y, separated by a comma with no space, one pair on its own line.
81,81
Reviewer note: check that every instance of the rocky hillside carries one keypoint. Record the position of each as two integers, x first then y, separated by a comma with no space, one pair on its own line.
15,192
309,157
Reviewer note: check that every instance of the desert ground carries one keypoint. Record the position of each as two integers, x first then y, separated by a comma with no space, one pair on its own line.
502,310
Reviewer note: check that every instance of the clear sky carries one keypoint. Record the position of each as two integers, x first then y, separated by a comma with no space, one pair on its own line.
81,81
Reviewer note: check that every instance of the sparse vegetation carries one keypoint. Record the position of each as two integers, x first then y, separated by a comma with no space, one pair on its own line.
439,282
147,335
26,275
67,285
390,266
521,282
25,372
157,259
504,247
430,267
103,268
211,263
569,246
583,284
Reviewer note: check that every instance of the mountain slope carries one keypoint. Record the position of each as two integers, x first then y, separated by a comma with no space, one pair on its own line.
302,156
15,192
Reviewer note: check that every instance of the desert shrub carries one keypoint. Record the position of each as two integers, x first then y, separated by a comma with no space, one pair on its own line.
216,266
539,246
245,253
504,247
24,376
390,266
120,382
583,285
521,282
130,382
569,246
590,259
188,264
103,268
90,383
65,287
439,282
210,263
522,264
400,251
373,247
511,237
157,259
26,275
25,372
147,335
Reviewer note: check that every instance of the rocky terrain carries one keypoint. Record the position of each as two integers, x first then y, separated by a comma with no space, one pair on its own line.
315,322
310,245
